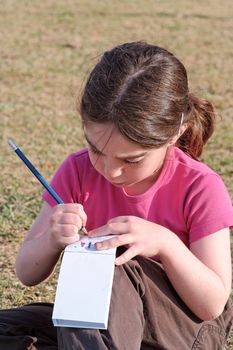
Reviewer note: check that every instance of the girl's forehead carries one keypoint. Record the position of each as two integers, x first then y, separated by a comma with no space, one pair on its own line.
105,136
97,129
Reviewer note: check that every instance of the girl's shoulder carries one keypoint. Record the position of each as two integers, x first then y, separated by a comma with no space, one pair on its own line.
189,165
195,179
79,156
78,161
79,167
202,194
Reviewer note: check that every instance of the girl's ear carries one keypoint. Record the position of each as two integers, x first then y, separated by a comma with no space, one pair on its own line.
178,135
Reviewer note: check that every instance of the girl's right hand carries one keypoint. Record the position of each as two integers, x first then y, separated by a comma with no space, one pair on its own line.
64,225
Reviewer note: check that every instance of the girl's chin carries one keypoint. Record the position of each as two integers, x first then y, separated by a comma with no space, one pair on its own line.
118,184
124,184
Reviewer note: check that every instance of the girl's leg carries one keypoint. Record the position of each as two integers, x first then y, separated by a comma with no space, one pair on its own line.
28,327
126,319
146,313
170,324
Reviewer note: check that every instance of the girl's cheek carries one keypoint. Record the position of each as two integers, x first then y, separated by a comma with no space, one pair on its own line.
93,159
97,164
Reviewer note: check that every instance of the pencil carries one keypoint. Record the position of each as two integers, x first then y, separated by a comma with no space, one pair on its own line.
39,176
35,171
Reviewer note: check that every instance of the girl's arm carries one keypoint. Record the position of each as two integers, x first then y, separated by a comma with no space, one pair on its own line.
201,275
53,229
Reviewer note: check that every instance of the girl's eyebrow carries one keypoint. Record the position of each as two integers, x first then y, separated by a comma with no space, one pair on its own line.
130,156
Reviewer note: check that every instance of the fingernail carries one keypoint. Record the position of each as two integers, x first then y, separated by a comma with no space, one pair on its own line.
99,246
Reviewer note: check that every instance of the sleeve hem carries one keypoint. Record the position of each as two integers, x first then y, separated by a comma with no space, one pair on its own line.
211,227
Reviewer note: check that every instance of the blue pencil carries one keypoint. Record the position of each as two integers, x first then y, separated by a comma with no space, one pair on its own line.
35,172
39,177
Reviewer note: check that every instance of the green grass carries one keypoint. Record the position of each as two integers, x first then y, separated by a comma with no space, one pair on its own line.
47,48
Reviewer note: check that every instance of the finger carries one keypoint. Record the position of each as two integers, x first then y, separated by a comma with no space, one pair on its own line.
115,242
83,231
69,207
127,255
70,240
83,216
110,228
118,227
74,208
70,218
122,218
100,231
63,216
66,230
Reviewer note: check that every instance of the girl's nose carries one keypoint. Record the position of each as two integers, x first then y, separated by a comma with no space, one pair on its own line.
112,171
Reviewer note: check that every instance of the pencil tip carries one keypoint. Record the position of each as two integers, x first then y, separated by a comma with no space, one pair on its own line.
11,143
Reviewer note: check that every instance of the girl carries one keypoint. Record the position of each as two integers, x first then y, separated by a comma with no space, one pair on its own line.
139,178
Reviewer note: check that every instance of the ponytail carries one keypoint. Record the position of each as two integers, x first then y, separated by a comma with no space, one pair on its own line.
200,117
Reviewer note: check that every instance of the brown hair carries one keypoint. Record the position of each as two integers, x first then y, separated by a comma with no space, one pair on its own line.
143,90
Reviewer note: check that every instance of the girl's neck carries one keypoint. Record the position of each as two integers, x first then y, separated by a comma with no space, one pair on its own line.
142,186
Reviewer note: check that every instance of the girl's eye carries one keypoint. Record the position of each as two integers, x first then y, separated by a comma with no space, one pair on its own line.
132,162
94,151
97,152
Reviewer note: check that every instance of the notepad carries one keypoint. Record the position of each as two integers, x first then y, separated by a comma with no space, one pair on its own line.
84,285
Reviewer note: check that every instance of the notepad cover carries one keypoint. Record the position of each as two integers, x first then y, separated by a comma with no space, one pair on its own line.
84,285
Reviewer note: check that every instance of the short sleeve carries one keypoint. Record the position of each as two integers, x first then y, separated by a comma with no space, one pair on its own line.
208,207
65,183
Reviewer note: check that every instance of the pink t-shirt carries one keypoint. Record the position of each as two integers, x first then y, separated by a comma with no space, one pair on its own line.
188,198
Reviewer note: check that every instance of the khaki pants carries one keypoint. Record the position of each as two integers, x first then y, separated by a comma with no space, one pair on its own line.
145,313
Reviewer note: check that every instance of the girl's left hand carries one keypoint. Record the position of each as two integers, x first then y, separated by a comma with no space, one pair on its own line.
142,237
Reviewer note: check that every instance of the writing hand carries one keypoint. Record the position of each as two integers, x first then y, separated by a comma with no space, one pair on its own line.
65,223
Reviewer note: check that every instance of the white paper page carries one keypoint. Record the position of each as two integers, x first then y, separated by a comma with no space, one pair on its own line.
84,285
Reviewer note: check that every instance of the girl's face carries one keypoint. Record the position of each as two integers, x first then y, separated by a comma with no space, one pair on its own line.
122,162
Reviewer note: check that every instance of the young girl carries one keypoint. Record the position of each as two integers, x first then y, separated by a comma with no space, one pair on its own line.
139,178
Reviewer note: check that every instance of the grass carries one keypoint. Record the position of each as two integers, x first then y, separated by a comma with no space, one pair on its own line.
47,48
